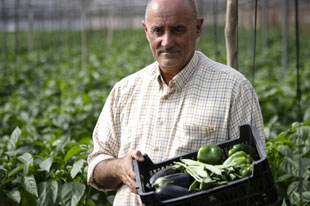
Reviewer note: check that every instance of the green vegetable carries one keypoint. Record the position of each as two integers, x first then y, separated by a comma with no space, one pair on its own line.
235,155
242,147
193,186
205,175
245,171
245,160
210,154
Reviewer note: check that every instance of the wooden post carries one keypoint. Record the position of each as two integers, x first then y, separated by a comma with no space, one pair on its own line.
230,33
30,26
4,29
83,36
215,12
110,28
285,34
199,7
68,30
265,23
16,22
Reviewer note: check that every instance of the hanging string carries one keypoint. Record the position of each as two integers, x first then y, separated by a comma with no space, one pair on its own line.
253,77
298,93
237,33
254,49
215,28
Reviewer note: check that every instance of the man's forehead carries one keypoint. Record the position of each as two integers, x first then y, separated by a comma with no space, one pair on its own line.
168,9
169,21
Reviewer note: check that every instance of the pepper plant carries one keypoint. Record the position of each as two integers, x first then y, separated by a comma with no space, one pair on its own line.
289,158
48,172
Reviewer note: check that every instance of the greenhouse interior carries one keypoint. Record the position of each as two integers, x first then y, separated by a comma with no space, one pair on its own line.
60,62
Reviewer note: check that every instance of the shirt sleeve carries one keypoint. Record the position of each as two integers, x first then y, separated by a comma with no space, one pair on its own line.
245,109
105,140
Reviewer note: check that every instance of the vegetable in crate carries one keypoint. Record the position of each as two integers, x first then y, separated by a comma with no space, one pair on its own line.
242,161
238,158
242,147
180,179
210,154
161,173
170,191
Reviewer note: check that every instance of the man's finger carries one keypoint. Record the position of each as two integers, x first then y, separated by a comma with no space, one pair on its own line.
132,185
136,154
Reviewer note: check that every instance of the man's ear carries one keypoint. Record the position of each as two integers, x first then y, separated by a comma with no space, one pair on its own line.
144,25
199,26
145,29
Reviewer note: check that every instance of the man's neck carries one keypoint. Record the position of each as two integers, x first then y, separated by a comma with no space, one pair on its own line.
168,74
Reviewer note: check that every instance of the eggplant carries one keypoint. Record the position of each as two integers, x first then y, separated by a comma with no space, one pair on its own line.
180,179
161,173
170,191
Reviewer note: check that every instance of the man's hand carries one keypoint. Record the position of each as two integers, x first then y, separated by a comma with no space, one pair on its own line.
127,174
110,173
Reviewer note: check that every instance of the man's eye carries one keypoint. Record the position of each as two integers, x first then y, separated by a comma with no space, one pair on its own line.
157,30
179,30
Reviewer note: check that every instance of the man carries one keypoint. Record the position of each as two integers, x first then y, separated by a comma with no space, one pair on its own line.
174,106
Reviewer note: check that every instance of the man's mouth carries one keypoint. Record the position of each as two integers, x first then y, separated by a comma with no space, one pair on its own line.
168,51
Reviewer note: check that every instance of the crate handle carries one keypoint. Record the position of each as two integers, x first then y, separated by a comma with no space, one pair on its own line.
138,178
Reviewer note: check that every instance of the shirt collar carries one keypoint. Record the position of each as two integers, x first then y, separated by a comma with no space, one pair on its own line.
182,77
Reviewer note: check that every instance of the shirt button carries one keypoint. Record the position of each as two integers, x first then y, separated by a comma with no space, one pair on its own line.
156,149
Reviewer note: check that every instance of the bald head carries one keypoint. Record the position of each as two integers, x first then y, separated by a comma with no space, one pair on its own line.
191,3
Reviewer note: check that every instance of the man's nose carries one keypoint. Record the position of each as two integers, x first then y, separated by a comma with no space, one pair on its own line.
168,40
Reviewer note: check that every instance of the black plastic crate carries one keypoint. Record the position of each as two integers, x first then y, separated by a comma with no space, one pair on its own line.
257,189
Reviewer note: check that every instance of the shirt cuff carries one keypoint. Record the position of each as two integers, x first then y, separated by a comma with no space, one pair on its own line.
91,167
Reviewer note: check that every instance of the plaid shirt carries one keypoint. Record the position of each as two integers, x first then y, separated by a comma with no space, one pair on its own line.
205,103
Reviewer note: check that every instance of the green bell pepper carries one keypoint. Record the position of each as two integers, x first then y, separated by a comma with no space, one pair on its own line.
210,154
242,147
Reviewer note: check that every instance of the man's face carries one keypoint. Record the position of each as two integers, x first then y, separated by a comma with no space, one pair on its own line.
172,31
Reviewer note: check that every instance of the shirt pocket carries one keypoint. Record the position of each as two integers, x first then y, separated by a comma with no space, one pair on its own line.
192,137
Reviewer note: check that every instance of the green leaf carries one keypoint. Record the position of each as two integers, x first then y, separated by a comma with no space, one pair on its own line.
295,198
46,164
110,198
30,185
16,170
285,150
13,140
294,186
306,196
284,203
47,193
12,153
14,195
3,173
90,202
289,166
283,178
72,152
77,167
303,132
27,198
61,142
27,159
71,193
